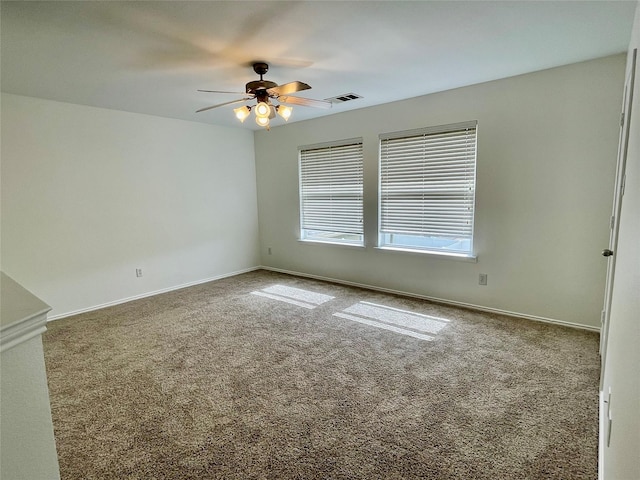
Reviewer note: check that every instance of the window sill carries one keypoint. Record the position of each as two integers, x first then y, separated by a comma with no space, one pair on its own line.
461,257
337,244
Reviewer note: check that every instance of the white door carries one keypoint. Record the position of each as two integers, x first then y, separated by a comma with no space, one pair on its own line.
617,205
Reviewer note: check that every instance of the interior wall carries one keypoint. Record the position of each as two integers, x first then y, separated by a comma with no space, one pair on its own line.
89,195
620,458
547,144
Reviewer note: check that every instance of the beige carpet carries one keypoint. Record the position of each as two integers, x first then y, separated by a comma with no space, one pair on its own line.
269,376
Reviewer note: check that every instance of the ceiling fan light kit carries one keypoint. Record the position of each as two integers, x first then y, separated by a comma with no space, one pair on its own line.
264,91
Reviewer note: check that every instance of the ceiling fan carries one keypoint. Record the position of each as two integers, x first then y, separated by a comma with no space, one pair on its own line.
264,91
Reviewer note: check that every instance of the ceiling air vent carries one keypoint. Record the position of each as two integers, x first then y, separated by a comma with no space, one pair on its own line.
346,97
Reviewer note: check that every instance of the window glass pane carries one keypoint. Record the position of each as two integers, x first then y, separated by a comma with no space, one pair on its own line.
331,193
427,188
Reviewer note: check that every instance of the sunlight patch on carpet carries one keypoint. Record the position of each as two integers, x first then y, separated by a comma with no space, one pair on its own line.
416,325
294,296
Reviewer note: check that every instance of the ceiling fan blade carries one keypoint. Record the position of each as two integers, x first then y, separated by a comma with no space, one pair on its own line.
223,104
222,91
291,87
306,102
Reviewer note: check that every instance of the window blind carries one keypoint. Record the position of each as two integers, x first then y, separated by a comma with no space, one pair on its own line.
331,191
427,182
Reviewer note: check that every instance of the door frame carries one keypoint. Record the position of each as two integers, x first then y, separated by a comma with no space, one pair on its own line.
623,147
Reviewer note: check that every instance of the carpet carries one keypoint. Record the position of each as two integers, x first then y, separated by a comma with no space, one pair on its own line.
270,376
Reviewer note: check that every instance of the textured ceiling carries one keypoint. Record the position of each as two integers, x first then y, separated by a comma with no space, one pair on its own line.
151,57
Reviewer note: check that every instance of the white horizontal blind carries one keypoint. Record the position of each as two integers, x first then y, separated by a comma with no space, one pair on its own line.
331,190
427,181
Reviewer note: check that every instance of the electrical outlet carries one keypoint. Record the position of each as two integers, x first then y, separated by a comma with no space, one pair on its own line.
482,279
138,272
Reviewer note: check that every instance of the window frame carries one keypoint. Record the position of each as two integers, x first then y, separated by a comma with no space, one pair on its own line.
408,170
345,227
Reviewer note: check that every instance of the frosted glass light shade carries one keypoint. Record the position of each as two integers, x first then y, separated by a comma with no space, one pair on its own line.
262,121
242,113
284,111
262,110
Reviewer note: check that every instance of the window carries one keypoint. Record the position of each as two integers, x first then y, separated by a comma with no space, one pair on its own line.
427,189
331,192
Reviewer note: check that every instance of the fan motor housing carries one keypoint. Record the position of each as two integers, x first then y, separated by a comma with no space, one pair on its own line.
256,85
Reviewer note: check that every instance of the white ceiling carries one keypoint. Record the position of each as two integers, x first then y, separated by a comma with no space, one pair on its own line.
151,57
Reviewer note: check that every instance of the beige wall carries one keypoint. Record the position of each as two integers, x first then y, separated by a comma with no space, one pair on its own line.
89,195
547,145
621,460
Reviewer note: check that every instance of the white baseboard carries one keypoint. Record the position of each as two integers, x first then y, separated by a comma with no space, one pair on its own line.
328,279
150,294
439,300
